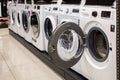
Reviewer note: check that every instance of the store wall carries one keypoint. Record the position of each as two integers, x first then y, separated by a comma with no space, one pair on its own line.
3,8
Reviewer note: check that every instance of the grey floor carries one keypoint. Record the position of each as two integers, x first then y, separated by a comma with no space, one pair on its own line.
18,63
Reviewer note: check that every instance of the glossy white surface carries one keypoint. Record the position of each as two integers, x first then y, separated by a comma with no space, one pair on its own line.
18,63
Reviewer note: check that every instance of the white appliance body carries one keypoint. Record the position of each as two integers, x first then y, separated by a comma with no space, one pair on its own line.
12,13
21,8
36,26
50,22
10,9
98,24
92,65
43,11
26,22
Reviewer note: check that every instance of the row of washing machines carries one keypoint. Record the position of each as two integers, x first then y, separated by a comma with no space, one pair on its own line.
77,34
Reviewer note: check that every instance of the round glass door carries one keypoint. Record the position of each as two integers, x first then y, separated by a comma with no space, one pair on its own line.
35,24
98,44
25,21
48,28
13,18
18,18
66,45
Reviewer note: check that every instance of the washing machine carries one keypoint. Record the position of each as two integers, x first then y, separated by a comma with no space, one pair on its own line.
20,5
88,49
39,13
26,21
13,18
100,54
50,21
36,24
10,9
69,12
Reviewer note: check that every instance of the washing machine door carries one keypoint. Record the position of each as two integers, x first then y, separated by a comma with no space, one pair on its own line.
49,26
35,25
13,18
98,44
18,19
25,22
66,45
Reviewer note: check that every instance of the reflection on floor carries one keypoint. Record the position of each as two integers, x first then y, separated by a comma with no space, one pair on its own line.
18,63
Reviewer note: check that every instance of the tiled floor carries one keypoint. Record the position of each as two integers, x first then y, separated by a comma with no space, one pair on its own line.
18,63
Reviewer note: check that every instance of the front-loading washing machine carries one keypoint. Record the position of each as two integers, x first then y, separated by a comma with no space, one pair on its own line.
100,54
69,12
88,49
20,5
50,21
10,12
13,18
26,21
36,24
37,21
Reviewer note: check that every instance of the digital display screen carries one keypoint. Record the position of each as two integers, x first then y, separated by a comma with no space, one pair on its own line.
20,1
100,2
71,2
45,1
105,14
29,1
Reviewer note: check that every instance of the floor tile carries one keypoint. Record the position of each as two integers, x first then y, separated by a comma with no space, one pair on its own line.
4,31
5,73
18,63
33,72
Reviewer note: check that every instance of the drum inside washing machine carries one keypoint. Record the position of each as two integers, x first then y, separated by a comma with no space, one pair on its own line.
98,44
25,22
35,25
